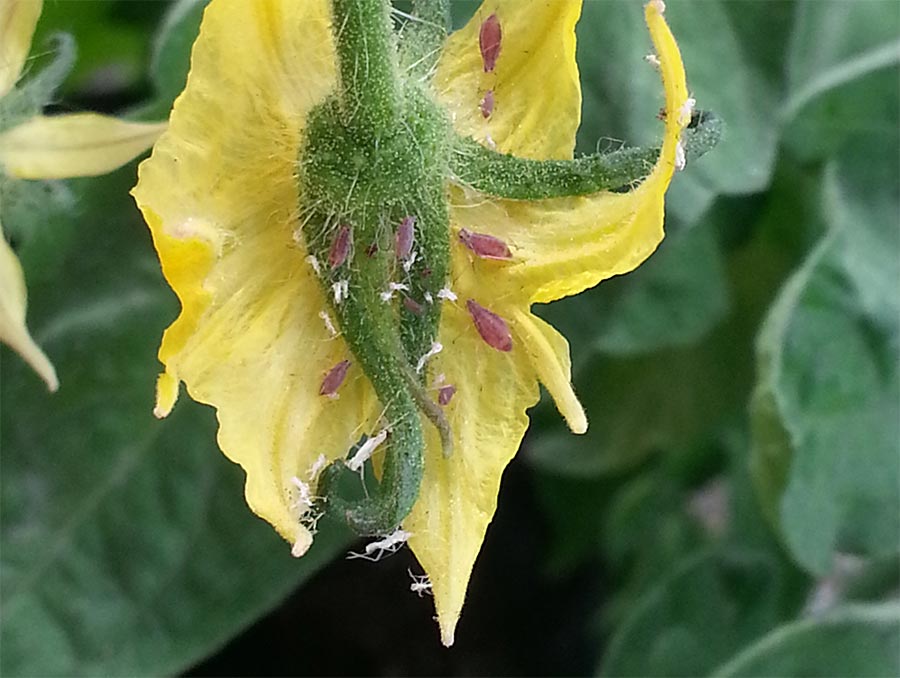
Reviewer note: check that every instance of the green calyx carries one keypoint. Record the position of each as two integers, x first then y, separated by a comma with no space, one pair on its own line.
378,154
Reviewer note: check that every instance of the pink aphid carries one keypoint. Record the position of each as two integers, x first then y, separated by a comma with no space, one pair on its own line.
487,104
413,306
445,395
340,247
333,380
492,328
404,237
484,246
489,42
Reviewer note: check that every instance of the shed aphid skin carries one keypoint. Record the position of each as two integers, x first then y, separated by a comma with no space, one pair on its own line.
489,42
447,294
329,324
333,380
376,550
445,394
404,238
420,585
320,463
340,247
410,262
366,450
312,261
340,289
492,328
393,287
436,347
653,60
486,106
485,246
305,497
680,157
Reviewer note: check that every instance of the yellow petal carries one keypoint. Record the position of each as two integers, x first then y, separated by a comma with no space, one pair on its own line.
77,145
459,495
17,21
13,301
548,351
219,194
563,246
537,92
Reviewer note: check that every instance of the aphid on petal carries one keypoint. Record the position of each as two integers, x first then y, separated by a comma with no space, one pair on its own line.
485,246
340,247
492,328
404,237
333,380
489,42
487,104
445,394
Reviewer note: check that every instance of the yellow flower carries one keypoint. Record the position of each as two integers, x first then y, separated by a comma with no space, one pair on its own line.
253,339
39,147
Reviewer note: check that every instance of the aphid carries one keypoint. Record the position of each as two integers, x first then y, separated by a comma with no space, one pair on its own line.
489,42
492,328
436,347
340,247
366,450
372,250
333,380
485,246
413,306
445,394
487,104
404,237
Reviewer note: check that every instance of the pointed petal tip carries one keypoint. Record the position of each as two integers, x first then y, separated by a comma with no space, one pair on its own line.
166,395
448,633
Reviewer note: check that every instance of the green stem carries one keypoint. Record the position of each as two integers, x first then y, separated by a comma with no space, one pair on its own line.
367,63
426,33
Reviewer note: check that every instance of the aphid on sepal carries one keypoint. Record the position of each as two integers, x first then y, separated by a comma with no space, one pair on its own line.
340,247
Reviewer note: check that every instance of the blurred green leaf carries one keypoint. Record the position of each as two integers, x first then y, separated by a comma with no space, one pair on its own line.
111,38
859,641
826,411
672,300
842,71
709,607
171,57
127,547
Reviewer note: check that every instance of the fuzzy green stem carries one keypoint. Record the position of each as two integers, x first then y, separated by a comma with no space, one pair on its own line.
425,36
367,63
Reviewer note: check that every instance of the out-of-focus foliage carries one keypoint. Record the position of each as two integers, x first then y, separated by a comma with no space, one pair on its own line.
737,492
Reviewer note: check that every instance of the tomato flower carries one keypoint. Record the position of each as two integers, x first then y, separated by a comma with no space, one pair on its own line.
33,146
357,243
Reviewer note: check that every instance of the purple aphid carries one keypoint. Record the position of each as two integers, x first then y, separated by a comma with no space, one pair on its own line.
445,394
484,246
404,238
489,42
492,328
340,247
333,380
487,104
